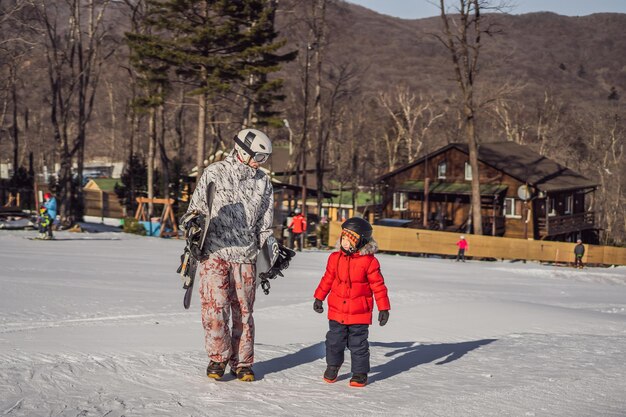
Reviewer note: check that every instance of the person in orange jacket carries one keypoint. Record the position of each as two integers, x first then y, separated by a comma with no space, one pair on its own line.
352,282
297,227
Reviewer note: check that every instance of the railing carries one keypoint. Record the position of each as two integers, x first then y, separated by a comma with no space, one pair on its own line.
411,215
447,224
401,239
488,223
569,223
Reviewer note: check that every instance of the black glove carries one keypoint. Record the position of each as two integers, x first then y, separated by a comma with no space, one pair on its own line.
318,306
383,316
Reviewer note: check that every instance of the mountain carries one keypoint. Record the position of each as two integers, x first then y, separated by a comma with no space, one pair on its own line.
580,57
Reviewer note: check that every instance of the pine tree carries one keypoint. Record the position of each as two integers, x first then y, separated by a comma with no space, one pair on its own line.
223,48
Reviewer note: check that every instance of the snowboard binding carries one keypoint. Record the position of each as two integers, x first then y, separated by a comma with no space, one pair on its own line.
192,225
283,257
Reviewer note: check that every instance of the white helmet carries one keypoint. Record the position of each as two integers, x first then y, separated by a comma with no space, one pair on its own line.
253,144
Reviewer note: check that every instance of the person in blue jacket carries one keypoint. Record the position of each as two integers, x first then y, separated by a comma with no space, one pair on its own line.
48,215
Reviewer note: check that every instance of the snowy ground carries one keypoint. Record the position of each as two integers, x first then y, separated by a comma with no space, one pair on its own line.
93,325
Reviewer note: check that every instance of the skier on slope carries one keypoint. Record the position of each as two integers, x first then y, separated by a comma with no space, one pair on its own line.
48,213
240,223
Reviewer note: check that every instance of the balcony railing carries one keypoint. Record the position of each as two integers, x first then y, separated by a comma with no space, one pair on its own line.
556,225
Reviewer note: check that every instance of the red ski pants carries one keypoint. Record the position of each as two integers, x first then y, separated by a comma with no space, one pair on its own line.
225,288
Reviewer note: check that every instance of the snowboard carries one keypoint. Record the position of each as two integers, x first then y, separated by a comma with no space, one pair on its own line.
271,261
196,227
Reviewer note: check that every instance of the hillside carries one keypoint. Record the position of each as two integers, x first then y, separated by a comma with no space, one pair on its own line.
581,57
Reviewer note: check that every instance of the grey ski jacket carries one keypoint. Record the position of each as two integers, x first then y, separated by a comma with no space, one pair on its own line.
242,210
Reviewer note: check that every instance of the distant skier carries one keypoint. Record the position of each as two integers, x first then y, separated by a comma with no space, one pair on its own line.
47,215
463,246
354,280
44,224
297,226
579,252
240,223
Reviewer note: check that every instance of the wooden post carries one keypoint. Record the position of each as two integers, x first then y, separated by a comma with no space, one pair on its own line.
101,206
426,208
547,215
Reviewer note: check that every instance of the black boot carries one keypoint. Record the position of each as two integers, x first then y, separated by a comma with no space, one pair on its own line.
358,380
243,373
330,375
216,370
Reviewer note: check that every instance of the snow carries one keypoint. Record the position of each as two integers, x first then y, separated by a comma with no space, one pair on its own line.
92,324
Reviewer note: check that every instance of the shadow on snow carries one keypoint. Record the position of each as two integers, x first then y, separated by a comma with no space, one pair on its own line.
406,355
412,355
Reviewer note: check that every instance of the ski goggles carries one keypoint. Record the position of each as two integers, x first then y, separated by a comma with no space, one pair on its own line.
260,157
352,237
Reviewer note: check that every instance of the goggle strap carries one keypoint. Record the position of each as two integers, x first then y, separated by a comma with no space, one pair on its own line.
246,147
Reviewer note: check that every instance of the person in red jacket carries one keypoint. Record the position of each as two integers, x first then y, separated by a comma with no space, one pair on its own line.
297,228
462,245
352,281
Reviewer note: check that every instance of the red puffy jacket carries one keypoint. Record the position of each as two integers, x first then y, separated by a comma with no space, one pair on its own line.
352,280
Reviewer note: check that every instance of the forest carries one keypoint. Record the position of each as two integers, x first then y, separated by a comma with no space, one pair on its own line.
165,84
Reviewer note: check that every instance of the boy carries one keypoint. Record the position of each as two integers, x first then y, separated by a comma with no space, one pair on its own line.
45,224
353,279
579,252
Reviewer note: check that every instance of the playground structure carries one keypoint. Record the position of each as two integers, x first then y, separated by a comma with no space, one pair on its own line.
165,221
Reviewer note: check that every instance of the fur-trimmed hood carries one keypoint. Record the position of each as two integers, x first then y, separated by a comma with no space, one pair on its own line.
370,247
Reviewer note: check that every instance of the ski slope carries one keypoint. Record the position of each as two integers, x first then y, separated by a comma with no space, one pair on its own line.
92,324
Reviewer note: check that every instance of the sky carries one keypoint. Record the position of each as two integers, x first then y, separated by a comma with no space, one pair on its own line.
417,9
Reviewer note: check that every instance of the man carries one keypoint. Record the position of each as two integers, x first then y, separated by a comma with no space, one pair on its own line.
298,229
240,223
579,252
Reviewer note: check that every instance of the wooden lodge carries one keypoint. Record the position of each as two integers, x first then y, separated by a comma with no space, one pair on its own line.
523,194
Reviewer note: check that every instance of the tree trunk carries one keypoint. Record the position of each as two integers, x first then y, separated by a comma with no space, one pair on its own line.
151,153
201,134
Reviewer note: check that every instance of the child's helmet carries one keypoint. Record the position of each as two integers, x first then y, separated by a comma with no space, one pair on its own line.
253,144
359,227
297,211
47,196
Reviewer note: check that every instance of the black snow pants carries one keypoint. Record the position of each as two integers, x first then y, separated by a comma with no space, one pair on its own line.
352,336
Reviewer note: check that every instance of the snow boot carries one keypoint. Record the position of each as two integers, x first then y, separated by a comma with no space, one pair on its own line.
243,373
216,370
330,375
358,380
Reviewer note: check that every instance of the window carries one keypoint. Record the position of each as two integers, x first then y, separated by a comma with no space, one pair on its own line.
400,201
441,170
512,207
468,171
569,204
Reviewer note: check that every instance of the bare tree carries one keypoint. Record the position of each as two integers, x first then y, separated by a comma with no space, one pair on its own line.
16,43
412,117
74,52
462,37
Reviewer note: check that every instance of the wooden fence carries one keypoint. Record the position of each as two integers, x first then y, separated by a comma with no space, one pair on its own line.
397,239
102,204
